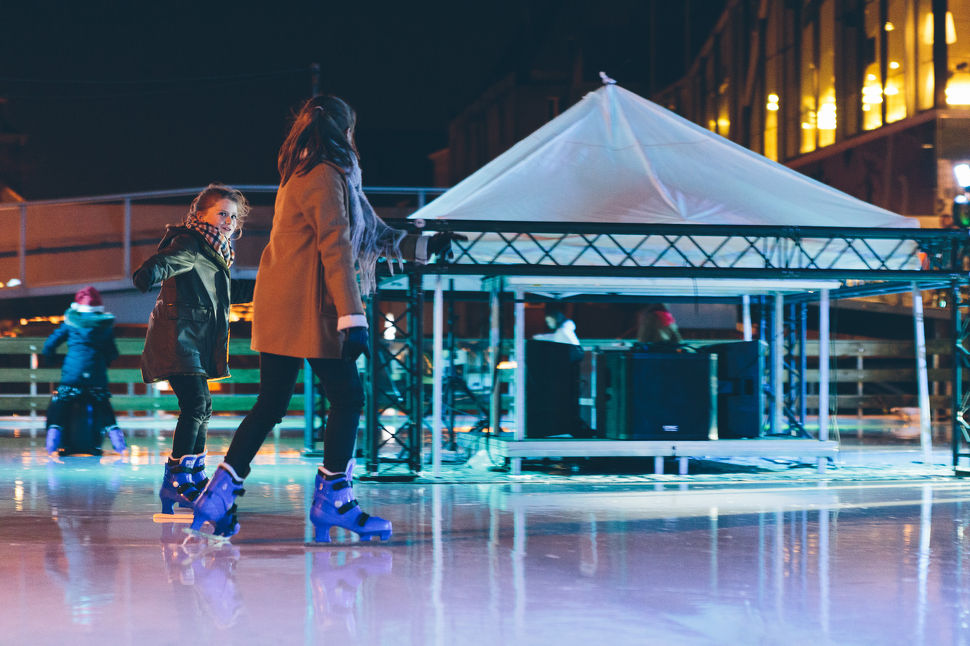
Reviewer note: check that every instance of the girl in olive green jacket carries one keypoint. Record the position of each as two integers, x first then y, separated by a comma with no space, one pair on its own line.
188,332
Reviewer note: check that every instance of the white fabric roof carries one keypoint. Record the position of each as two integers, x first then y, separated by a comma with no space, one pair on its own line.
617,157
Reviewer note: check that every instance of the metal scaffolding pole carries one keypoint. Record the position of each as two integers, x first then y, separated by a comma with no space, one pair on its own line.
925,431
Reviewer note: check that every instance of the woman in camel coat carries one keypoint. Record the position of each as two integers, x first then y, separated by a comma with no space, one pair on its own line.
324,246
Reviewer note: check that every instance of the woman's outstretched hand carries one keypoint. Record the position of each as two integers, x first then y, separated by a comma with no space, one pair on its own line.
355,343
440,244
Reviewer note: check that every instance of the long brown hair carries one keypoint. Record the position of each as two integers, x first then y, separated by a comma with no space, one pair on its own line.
318,133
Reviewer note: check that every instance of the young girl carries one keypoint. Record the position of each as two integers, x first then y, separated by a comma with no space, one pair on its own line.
89,333
188,332
308,305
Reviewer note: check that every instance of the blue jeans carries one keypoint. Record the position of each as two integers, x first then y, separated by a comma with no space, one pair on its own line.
277,380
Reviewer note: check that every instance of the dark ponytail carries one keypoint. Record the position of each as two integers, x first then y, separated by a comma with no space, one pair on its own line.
318,134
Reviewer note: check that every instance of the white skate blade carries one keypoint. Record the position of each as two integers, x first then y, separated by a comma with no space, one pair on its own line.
205,536
172,518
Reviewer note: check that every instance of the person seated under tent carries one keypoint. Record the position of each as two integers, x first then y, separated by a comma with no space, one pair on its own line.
657,329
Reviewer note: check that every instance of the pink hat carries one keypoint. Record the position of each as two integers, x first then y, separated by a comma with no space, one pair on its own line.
88,296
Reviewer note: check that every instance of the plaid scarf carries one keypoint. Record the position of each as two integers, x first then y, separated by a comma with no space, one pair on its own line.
214,237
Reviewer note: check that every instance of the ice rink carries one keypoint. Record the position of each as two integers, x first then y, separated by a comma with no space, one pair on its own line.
868,554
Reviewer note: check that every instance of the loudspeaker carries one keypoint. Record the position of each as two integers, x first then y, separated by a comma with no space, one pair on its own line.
552,389
648,396
740,398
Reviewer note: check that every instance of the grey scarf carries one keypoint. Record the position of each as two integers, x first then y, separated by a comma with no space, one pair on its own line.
370,238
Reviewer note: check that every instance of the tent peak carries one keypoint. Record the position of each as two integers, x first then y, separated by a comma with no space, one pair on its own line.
606,79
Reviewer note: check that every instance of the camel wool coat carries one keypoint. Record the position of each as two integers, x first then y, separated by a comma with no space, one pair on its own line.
307,278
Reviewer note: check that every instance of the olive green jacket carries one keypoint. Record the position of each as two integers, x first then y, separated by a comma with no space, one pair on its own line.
188,331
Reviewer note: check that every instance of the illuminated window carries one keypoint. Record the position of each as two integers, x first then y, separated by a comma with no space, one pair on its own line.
773,66
925,88
826,116
958,53
809,105
900,89
771,126
872,79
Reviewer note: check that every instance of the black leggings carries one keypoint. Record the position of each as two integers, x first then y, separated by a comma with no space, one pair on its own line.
195,409
277,379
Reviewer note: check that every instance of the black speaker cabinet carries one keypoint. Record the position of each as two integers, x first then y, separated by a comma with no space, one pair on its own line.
649,396
740,398
552,389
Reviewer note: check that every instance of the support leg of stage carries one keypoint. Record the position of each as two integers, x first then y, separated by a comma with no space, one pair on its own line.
823,373
925,433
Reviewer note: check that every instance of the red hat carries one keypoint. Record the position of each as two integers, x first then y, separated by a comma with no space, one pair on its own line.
88,296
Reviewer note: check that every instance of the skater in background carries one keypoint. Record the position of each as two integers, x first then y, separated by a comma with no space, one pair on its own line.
321,258
188,331
656,326
89,333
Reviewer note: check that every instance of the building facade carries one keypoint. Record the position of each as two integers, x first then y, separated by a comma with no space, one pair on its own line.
869,96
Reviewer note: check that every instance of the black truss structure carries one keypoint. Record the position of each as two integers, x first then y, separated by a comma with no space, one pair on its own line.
866,261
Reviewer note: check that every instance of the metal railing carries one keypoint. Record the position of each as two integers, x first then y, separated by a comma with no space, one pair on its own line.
108,235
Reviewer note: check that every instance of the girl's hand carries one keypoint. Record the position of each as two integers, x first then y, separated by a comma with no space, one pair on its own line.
141,281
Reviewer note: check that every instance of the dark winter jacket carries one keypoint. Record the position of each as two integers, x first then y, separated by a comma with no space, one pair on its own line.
90,347
188,332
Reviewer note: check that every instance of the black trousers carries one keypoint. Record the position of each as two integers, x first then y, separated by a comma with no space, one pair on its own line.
195,409
277,380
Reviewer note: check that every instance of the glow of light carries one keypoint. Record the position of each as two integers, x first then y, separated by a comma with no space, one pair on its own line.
773,102
958,92
889,26
389,330
13,282
826,117
871,94
870,77
892,90
951,29
928,29
962,173
723,123
161,386
506,365
893,65
806,125
23,321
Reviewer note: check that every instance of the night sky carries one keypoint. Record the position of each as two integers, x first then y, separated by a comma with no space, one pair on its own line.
119,97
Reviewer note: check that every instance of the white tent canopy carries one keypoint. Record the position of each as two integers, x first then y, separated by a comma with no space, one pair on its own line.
617,157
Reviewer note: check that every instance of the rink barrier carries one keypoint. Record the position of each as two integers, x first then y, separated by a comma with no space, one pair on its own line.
883,372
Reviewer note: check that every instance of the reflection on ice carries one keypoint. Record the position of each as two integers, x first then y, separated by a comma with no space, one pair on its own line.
487,563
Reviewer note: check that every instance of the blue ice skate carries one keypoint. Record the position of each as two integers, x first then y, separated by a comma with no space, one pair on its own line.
199,478
177,485
53,440
217,503
117,438
334,506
